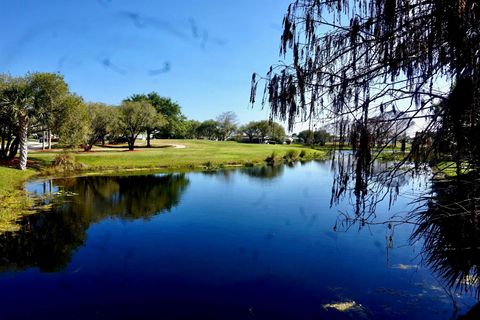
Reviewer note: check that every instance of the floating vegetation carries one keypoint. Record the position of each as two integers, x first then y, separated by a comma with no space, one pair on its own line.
19,203
346,306
402,266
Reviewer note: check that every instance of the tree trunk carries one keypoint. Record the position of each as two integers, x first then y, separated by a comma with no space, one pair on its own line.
43,140
49,139
23,143
13,149
148,138
131,144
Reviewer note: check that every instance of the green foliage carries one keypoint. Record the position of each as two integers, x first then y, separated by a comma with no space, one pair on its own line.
32,102
260,130
292,155
9,125
250,130
171,126
101,118
191,129
320,137
49,90
134,117
273,158
276,132
66,163
208,129
75,127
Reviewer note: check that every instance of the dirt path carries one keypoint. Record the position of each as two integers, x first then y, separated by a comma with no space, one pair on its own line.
35,146
178,146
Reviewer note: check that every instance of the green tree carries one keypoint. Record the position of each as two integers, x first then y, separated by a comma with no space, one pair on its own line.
134,117
49,91
227,124
75,127
306,136
8,125
250,129
18,96
321,137
168,110
263,129
101,118
277,132
208,129
191,129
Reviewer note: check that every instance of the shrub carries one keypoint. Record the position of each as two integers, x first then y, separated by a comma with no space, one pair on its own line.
272,159
291,155
65,162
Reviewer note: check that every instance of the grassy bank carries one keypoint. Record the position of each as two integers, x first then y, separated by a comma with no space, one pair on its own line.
167,155
14,200
196,154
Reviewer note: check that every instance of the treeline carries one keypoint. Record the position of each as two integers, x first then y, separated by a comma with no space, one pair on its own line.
41,105
320,137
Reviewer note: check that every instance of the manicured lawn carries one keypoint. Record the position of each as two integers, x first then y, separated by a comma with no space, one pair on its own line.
11,179
196,154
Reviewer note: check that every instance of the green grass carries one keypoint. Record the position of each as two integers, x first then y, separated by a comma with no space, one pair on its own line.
14,201
12,179
197,154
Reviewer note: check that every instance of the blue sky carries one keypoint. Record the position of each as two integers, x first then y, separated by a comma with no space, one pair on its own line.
200,53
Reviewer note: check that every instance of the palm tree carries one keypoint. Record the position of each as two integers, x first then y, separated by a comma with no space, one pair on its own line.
18,95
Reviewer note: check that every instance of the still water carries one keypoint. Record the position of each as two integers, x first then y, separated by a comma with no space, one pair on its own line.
253,243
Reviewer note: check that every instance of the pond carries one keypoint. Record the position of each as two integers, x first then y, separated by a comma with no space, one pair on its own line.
260,242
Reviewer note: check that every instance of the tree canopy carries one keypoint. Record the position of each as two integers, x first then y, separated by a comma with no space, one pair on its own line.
134,117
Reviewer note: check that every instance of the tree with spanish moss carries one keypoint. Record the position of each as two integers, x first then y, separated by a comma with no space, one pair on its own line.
350,62
371,68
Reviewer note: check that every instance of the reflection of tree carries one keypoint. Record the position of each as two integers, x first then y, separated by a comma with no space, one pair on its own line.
47,240
365,191
259,172
451,231
128,197
264,172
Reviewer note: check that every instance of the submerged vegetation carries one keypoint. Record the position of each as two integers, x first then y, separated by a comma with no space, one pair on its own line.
14,201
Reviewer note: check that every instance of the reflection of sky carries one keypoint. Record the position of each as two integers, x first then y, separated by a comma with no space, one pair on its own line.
240,243
41,187
200,53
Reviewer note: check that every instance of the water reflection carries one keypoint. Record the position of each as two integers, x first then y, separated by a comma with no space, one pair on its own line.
258,172
47,240
265,172
450,231
282,223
